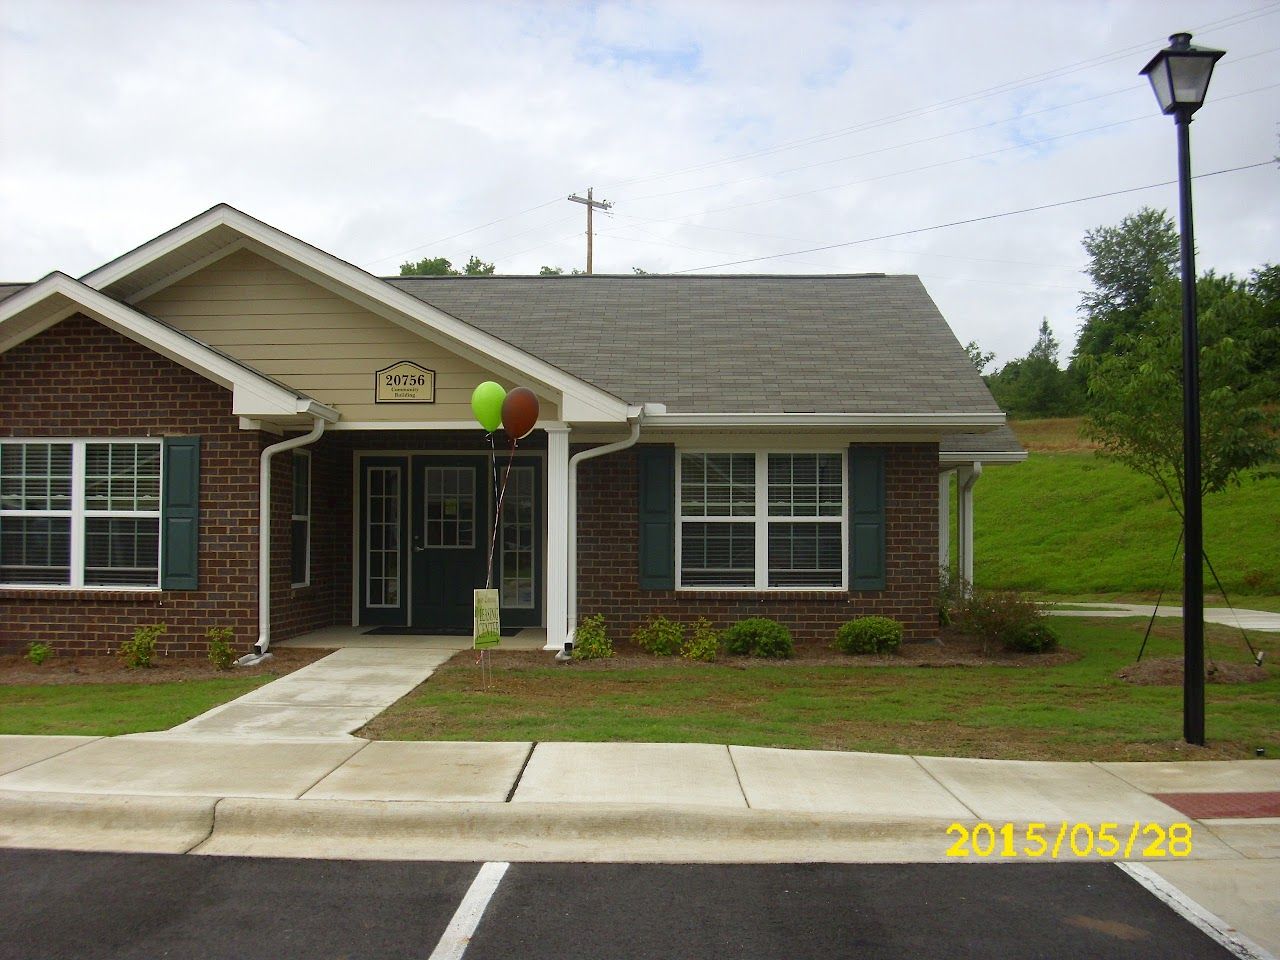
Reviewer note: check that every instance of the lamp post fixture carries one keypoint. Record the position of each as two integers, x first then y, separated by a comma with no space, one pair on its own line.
1179,75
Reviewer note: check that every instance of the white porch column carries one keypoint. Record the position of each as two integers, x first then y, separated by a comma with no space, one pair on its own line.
557,576
944,519
966,476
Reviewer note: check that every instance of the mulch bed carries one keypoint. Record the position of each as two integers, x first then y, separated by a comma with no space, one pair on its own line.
1167,672
953,650
16,669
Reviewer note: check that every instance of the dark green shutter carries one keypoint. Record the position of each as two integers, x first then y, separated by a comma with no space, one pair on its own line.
180,514
866,518
657,467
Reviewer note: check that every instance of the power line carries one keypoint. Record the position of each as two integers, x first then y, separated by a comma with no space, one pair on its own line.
932,139
463,233
940,163
1005,87
960,223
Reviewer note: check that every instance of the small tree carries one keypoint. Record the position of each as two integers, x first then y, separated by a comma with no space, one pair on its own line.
980,359
478,268
428,267
1136,395
1126,263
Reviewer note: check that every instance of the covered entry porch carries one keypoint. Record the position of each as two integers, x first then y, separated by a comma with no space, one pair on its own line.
389,532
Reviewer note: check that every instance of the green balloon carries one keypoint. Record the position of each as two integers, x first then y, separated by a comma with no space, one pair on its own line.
486,404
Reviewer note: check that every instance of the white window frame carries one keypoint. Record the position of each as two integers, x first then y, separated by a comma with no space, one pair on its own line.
761,520
78,514
300,517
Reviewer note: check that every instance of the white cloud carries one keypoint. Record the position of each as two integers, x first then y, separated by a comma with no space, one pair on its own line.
379,127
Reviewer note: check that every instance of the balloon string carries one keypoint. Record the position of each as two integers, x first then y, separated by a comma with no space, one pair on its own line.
493,478
497,513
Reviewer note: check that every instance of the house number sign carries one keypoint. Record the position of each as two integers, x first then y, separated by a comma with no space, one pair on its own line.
405,382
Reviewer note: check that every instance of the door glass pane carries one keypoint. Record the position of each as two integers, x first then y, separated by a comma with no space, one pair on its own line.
382,536
450,514
517,583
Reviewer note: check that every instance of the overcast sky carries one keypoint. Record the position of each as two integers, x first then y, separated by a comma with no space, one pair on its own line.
382,131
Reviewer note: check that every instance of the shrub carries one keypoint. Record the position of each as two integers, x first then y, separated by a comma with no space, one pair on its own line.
869,635
759,637
221,655
703,644
38,653
1032,638
660,636
139,651
590,642
1007,618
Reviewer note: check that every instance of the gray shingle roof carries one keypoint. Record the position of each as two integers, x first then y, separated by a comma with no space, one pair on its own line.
734,344
731,344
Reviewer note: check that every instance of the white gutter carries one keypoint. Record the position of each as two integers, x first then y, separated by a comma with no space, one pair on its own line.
577,458
975,422
264,539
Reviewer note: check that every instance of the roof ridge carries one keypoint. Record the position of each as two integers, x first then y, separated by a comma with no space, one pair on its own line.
653,276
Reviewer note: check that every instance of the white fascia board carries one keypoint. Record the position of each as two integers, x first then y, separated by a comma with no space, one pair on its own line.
462,335
253,394
948,422
951,460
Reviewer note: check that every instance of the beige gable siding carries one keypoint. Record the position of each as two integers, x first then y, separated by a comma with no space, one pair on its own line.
314,340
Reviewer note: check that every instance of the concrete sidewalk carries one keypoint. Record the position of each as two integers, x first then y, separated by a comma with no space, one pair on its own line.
1263,620
195,792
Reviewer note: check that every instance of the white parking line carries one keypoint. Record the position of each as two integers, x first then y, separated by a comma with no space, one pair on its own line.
1208,923
457,936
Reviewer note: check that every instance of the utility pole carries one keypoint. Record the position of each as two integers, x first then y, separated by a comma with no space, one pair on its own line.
591,205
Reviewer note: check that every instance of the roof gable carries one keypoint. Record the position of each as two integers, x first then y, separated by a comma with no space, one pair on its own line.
217,231
39,306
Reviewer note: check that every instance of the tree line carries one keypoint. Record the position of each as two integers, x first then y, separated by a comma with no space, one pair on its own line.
442,267
1130,315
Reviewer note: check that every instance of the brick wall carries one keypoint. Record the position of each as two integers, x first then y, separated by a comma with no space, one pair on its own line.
608,554
78,379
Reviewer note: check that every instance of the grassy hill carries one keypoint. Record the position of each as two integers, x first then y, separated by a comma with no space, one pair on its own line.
1070,522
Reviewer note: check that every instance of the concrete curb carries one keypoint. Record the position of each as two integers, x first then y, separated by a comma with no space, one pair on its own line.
76,821
588,833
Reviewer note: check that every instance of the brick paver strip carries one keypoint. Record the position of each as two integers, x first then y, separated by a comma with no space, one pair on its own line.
1208,806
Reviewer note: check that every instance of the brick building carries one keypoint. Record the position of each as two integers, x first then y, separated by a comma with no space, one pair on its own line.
227,406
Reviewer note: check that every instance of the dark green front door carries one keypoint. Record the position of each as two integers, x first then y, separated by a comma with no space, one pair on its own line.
449,525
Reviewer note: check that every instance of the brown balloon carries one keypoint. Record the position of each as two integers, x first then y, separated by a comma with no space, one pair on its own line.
519,413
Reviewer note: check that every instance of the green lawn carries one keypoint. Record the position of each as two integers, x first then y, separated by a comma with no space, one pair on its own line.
1073,711
91,709
1076,524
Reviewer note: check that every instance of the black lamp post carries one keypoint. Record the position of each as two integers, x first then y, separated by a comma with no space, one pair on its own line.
1179,75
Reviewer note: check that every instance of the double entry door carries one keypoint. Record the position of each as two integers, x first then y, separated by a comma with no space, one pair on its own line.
425,540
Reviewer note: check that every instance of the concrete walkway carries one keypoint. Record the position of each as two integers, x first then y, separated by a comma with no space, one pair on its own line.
1246,619
343,797
339,693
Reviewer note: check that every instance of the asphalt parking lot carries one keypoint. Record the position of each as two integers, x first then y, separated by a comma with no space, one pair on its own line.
95,905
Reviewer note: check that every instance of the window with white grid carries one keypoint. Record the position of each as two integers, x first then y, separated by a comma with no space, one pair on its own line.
80,513
762,520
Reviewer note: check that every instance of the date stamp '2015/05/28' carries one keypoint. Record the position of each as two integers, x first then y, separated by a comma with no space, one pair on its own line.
1065,839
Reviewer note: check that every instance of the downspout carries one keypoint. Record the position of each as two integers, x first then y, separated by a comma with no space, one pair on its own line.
264,539
572,606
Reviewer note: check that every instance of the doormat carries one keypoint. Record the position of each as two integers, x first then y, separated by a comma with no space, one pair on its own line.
431,631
